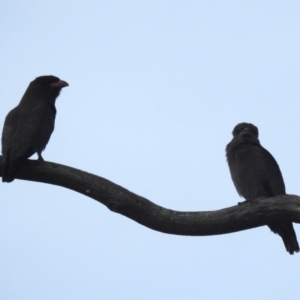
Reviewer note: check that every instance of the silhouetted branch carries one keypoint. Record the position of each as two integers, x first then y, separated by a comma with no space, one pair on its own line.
145,212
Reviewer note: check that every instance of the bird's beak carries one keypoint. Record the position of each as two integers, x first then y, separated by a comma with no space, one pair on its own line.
246,131
59,84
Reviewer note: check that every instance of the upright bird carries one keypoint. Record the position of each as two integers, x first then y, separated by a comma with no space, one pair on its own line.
28,127
255,174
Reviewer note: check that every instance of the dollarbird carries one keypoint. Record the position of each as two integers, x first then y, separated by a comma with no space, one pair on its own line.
256,174
28,127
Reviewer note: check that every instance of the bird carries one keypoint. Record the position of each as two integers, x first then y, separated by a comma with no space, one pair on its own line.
28,127
256,174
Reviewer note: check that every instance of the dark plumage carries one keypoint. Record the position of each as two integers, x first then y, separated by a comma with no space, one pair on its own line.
28,127
255,174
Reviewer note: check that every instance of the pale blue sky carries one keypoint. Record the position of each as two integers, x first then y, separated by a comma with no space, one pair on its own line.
156,88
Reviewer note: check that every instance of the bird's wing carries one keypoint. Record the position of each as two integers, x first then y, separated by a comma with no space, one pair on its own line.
20,131
275,179
8,131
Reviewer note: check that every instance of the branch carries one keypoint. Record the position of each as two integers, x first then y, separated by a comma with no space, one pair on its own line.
147,213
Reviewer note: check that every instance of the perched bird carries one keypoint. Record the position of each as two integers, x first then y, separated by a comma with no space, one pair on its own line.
256,174
28,127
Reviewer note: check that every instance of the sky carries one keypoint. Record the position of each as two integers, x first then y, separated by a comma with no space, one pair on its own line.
155,89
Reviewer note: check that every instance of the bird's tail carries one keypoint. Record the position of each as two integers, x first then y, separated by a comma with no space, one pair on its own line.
288,235
10,168
8,175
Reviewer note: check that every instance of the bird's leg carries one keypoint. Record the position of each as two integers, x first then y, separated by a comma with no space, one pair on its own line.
40,159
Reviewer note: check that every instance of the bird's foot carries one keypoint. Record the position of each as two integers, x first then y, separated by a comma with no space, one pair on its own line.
244,202
254,200
259,198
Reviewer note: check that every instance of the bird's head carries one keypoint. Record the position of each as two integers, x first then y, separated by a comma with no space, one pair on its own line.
246,132
45,88
244,135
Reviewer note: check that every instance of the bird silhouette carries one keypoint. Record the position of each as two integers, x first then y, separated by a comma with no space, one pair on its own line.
256,174
28,127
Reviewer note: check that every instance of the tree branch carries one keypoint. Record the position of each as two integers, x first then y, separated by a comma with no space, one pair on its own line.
147,213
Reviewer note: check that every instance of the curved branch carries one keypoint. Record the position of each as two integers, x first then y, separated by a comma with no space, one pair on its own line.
147,213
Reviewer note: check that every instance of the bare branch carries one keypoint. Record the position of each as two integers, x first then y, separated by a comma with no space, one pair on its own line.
145,212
